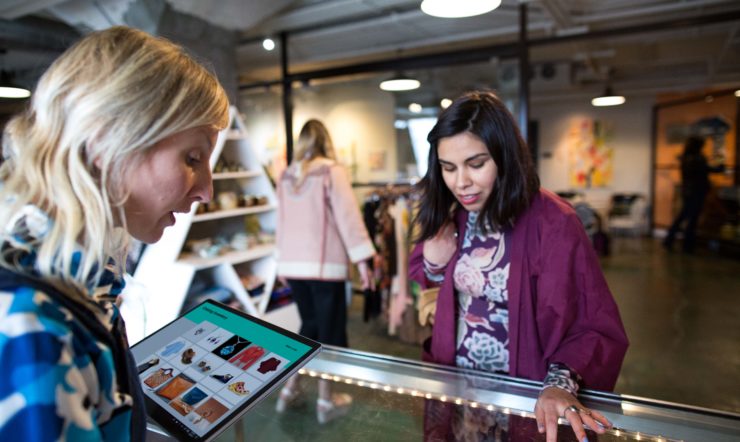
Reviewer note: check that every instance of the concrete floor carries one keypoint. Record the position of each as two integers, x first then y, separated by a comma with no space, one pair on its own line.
682,316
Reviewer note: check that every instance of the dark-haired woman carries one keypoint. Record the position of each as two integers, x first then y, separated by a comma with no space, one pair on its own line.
521,290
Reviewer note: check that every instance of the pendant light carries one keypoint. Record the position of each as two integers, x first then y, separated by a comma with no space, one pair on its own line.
10,90
458,8
400,83
608,98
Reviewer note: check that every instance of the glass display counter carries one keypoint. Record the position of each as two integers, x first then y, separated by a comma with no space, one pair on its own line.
403,400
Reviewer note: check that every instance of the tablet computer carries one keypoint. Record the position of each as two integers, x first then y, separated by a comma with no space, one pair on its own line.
204,370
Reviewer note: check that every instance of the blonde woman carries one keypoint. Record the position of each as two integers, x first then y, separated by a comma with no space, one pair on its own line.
116,139
320,231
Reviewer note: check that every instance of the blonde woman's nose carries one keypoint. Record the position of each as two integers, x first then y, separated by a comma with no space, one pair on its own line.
203,190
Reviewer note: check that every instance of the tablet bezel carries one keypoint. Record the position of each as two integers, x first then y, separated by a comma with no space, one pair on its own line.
177,429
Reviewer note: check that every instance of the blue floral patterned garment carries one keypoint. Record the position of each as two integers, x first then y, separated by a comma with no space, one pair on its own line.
480,277
57,382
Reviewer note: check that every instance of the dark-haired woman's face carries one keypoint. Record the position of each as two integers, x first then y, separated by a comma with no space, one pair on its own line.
467,169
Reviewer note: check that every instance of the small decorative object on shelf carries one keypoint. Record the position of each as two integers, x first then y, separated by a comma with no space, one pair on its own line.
254,284
222,244
236,228
230,200
223,166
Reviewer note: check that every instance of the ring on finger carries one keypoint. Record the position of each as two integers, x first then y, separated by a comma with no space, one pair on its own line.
572,408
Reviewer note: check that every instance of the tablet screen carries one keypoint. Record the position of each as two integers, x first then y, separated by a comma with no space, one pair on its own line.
202,371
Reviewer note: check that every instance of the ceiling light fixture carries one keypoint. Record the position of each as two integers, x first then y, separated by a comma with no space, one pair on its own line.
415,108
458,8
400,83
10,90
268,44
445,103
608,98
737,93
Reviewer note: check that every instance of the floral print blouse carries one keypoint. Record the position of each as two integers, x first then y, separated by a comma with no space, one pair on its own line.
481,276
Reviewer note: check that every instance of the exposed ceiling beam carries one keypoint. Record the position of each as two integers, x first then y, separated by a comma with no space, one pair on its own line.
12,9
36,34
683,23
558,13
314,16
643,11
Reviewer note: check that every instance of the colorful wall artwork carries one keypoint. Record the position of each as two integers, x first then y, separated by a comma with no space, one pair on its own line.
590,153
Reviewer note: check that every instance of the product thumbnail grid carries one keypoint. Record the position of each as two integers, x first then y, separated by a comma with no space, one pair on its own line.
205,373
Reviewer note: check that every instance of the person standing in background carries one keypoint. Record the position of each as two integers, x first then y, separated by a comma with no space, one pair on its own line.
695,186
116,139
520,288
319,232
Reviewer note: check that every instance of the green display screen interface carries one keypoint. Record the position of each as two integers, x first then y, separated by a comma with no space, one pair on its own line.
258,334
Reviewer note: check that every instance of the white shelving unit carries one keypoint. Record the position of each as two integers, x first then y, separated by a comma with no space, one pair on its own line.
166,272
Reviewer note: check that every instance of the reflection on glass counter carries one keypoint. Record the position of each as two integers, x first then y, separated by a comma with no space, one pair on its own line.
403,400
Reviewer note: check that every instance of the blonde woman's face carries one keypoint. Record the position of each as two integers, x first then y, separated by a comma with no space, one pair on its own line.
173,175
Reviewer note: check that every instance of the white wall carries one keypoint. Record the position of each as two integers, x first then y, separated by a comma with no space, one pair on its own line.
360,119
631,123
358,115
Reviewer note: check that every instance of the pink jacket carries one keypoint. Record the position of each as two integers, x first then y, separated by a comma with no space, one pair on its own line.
320,228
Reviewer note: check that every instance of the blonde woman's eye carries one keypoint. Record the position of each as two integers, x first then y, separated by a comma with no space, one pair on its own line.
193,160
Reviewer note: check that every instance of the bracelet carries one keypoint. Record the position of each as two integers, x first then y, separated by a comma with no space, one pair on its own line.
561,376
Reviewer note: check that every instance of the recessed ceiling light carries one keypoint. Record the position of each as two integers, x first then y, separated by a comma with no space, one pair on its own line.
445,103
608,98
268,44
458,8
400,83
14,92
10,90
415,108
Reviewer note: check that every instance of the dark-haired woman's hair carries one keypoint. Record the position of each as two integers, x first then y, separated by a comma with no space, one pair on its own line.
485,116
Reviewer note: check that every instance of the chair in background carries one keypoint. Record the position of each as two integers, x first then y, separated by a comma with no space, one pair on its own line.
628,215
590,219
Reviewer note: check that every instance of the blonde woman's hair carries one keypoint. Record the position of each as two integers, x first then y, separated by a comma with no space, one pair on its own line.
94,115
314,142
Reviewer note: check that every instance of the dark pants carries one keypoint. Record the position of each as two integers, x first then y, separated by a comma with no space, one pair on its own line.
690,212
323,309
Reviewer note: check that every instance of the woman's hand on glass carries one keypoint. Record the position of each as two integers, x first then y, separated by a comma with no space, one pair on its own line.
439,249
555,403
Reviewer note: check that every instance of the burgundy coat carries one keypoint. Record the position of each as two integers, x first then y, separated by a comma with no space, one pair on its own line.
560,307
